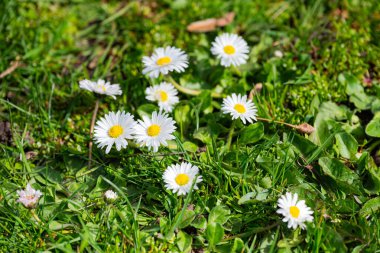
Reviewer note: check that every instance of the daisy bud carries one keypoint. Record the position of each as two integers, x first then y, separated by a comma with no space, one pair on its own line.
110,196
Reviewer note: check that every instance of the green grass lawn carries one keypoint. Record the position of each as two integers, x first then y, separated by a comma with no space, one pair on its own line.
314,62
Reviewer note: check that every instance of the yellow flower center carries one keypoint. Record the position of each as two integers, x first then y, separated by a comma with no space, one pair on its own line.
182,179
103,88
229,49
240,108
153,130
164,60
294,211
115,131
163,96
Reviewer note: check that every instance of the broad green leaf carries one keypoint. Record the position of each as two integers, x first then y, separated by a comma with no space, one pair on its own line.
303,145
214,234
330,110
199,222
179,4
182,116
146,110
184,241
370,173
351,82
186,219
345,178
252,133
203,100
247,198
362,101
91,230
322,133
236,246
334,241
356,92
51,175
373,127
55,225
189,146
371,206
347,145
347,205
268,163
375,107
290,243
219,214
259,194
216,128
164,225
203,135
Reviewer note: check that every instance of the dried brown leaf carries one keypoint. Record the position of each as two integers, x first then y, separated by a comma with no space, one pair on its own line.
13,67
305,128
226,19
210,24
256,89
5,132
206,25
31,154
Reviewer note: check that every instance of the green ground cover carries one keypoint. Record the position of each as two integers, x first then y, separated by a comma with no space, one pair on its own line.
327,76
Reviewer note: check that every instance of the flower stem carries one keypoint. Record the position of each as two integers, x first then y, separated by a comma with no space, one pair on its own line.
35,216
190,91
236,70
96,108
230,134
276,121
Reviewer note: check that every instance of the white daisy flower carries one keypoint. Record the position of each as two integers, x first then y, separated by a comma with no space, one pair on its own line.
110,195
295,212
165,60
114,128
101,87
165,94
29,197
231,49
239,106
179,177
155,131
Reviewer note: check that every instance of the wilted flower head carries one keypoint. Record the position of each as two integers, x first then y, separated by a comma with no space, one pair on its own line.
101,87
29,197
